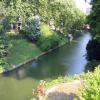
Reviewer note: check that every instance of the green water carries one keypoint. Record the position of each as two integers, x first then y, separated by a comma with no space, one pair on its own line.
68,60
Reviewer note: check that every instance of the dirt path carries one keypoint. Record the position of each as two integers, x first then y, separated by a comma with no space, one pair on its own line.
65,91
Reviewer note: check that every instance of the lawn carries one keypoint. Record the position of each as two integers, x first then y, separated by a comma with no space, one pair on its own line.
21,51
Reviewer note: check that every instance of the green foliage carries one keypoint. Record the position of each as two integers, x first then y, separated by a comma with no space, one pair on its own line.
3,46
58,81
21,51
1,69
94,18
64,12
93,47
91,90
33,27
2,10
48,39
18,8
6,21
66,15
12,33
1,28
4,50
45,30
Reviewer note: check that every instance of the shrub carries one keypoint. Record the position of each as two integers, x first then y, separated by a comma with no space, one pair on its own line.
1,28
12,33
45,30
44,43
2,65
93,49
32,28
48,39
91,90
5,45
1,69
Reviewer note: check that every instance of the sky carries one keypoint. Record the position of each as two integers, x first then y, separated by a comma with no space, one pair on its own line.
83,5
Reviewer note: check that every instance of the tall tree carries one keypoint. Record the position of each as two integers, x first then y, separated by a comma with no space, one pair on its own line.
94,18
93,47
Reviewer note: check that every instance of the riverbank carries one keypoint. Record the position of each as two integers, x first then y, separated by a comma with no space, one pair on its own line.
49,67
75,87
23,52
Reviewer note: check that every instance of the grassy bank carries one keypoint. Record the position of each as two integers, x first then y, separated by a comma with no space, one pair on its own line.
21,51
91,88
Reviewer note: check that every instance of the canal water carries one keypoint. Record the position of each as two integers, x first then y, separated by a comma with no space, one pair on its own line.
70,59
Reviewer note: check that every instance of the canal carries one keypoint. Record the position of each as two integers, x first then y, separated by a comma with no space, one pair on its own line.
70,59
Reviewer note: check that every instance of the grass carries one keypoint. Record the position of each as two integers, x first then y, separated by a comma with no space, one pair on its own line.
91,84
62,41
21,51
59,80
1,69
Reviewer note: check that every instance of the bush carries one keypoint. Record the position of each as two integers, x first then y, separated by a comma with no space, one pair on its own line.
48,39
44,43
32,28
1,69
12,33
93,49
5,45
45,30
91,90
1,28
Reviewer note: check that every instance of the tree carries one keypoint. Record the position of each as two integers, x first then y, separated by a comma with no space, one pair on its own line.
94,18
93,47
4,50
62,11
33,27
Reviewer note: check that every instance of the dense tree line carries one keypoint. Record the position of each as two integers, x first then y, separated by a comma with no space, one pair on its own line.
93,47
67,18
54,17
94,18
64,12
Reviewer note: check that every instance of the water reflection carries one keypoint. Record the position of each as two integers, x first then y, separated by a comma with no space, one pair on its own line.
34,64
78,59
69,59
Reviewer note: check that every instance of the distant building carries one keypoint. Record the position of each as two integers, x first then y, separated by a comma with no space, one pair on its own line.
19,24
